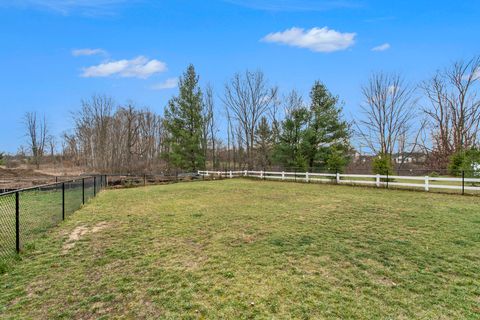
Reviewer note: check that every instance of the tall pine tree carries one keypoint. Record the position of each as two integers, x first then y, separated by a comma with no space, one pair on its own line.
184,123
326,142
288,150
263,142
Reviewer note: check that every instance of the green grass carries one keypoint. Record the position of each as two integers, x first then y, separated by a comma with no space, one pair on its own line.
40,209
243,249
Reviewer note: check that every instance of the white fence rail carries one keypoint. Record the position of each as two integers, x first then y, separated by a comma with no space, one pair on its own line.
426,183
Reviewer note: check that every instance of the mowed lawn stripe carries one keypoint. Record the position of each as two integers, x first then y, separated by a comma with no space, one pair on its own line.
242,249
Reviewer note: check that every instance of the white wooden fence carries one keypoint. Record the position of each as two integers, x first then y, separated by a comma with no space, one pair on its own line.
424,182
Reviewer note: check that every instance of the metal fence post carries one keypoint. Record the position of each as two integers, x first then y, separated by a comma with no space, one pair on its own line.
83,191
387,179
17,222
63,201
94,186
144,180
463,182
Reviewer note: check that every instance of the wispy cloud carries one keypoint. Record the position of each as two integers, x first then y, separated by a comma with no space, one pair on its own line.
380,19
476,74
139,67
382,47
296,5
88,7
315,39
170,83
88,52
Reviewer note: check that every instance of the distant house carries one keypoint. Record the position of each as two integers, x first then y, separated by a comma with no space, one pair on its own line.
362,158
411,158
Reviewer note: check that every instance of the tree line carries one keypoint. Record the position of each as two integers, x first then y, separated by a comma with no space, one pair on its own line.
255,126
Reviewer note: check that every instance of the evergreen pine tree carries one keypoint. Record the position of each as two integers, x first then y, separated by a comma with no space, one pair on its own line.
184,124
326,142
263,142
288,150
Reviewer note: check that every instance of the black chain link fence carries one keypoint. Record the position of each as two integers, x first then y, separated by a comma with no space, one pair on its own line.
25,214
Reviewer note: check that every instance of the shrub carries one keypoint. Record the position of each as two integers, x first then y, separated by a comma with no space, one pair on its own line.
467,161
382,164
434,174
336,161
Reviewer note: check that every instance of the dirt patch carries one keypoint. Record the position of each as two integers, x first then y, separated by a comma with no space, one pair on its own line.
22,178
79,232
22,173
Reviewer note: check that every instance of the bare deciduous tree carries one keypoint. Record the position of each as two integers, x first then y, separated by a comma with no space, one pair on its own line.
209,131
454,110
37,135
248,97
114,138
388,114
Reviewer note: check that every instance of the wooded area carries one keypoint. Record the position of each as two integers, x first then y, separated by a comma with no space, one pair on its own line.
250,124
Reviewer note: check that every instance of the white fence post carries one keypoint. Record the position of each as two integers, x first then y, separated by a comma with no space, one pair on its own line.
421,182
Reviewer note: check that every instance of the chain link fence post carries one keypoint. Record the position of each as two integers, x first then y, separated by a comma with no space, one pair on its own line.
63,201
17,222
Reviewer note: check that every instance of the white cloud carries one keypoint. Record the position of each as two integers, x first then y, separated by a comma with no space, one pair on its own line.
89,7
315,39
476,74
382,47
392,90
88,52
295,5
167,84
139,67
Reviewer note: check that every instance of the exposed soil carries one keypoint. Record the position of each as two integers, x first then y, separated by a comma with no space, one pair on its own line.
79,232
18,178
22,178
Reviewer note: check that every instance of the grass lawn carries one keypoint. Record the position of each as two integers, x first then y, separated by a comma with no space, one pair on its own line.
242,249
40,209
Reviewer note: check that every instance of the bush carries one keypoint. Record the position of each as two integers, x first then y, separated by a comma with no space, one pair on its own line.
467,161
434,174
382,164
2,159
336,161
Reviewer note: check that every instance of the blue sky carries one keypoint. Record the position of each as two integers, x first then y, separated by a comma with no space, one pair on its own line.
54,53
